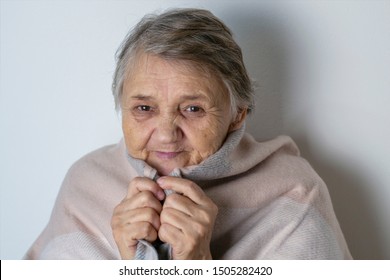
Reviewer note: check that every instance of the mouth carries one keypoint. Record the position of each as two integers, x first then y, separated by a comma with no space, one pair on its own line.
166,155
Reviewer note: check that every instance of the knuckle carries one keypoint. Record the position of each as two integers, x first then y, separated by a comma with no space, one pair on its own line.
189,183
150,214
172,199
165,214
152,217
146,229
207,216
192,185
200,230
162,231
214,209
208,220
139,183
134,182
144,198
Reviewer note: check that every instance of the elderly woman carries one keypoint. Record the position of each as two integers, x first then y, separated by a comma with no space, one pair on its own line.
187,182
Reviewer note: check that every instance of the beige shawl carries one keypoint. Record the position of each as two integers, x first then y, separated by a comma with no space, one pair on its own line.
272,205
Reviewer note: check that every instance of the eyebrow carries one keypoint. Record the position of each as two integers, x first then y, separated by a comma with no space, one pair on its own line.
194,97
142,97
191,97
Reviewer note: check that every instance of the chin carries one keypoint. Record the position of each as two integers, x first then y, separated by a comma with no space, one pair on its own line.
165,166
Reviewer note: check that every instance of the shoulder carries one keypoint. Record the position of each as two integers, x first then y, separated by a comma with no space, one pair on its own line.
92,187
277,157
254,152
110,158
278,168
282,186
284,173
102,155
283,153
106,167
279,144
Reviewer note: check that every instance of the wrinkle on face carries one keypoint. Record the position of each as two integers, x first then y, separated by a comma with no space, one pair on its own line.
160,113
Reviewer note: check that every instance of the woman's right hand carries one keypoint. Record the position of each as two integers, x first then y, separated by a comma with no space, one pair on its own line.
137,216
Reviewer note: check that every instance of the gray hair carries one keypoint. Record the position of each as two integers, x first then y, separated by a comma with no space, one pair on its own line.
190,35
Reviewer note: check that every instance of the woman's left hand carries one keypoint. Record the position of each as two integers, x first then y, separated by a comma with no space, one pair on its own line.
187,219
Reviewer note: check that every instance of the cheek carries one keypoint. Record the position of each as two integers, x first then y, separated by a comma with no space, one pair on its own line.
136,136
207,138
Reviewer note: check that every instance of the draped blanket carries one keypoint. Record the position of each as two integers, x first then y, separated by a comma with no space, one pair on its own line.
272,205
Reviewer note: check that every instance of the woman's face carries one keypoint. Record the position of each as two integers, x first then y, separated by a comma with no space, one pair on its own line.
173,116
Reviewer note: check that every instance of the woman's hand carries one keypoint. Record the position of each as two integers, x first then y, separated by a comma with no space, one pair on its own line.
187,219
137,216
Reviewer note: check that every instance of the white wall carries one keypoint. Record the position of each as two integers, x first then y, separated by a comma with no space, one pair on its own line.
323,75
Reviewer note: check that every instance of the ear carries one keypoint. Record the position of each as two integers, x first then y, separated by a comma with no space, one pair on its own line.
239,120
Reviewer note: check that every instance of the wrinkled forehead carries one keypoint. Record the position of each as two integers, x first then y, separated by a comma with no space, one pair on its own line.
153,77
150,63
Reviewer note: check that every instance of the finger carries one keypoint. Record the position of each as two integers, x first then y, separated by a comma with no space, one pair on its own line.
170,234
141,230
181,203
127,238
144,199
148,215
184,187
183,247
175,218
129,235
184,223
140,184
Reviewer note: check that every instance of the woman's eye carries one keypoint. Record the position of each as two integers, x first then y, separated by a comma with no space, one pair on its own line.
144,108
193,109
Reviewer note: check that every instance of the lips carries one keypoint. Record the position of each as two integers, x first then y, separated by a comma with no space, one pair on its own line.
167,155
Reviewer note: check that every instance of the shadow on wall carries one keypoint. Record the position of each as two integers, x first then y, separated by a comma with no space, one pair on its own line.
265,62
264,44
351,201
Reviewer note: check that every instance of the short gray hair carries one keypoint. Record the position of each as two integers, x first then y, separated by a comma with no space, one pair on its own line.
195,36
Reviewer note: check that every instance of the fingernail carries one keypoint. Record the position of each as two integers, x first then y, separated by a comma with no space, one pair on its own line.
160,195
160,180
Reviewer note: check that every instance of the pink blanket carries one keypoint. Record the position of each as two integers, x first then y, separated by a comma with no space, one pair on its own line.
272,205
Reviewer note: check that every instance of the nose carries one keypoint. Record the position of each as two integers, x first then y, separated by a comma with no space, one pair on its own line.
167,130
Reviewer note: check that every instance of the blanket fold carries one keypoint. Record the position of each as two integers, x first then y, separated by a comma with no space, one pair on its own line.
213,167
272,204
